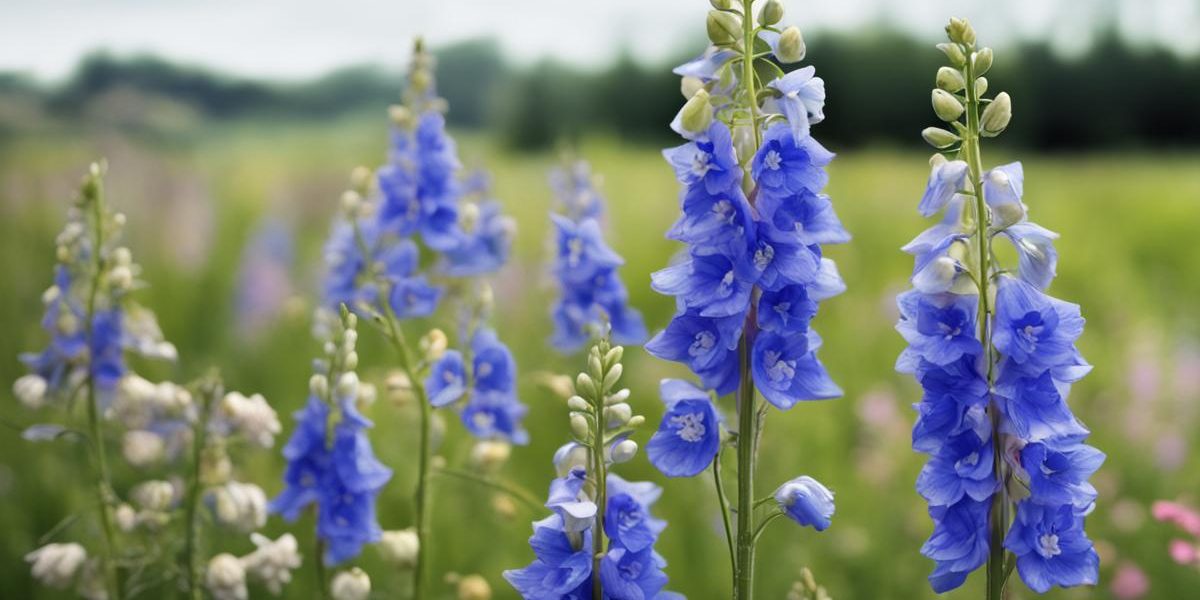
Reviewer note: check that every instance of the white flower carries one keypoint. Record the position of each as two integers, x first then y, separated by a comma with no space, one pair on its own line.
351,585
400,547
156,496
272,562
474,587
31,391
126,517
142,448
225,578
251,417
56,565
242,506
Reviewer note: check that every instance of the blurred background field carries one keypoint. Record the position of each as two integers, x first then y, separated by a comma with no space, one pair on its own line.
229,182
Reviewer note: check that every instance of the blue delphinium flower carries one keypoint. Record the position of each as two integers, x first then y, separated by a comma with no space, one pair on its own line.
690,433
995,357
333,466
491,409
591,294
806,501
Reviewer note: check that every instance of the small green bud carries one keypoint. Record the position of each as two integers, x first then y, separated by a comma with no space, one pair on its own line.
980,87
612,376
579,404
954,53
688,86
771,13
584,386
960,31
791,45
939,138
981,61
595,369
580,427
950,79
697,113
637,421
996,116
721,4
723,28
947,107
614,355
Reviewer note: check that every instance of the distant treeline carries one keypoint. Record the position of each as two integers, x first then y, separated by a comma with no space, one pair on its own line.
878,83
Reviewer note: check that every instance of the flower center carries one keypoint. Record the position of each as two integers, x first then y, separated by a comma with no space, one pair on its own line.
772,160
700,164
780,371
1048,545
689,427
724,210
763,257
704,342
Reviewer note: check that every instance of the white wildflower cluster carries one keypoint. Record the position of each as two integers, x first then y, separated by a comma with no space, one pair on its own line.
269,565
251,418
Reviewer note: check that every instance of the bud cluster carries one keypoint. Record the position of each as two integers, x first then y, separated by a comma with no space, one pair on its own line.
599,412
961,85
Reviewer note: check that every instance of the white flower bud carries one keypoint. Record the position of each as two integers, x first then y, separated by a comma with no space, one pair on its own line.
960,31
981,62
474,587
142,448
225,578
272,562
399,548
771,13
612,376
242,506
55,565
791,46
580,427
996,116
954,53
617,397
723,28
353,584
67,324
489,455
367,394
319,385
938,137
31,391
347,386
400,115
946,106
121,256
981,86
636,421
435,344
950,79
696,114
578,404
688,86
156,495
624,451
252,418
125,517
351,202
618,415
468,216
119,219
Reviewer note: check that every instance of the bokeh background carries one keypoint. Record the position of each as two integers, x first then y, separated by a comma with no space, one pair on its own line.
230,129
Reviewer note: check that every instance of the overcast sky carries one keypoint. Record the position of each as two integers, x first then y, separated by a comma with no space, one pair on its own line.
300,38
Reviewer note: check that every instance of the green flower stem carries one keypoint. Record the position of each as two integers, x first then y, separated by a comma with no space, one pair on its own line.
601,478
996,574
209,391
319,561
508,489
747,418
425,455
723,500
104,479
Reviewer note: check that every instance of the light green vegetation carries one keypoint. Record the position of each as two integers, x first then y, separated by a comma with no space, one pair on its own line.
1129,255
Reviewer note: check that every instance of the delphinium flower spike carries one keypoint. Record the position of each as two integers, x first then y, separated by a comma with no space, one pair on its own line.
995,355
591,293
598,542
181,438
754,221
420,202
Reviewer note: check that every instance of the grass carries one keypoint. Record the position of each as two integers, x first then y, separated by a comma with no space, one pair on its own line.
1127,255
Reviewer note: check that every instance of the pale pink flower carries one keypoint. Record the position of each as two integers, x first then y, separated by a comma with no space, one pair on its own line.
1130,582
1184,517
1184,553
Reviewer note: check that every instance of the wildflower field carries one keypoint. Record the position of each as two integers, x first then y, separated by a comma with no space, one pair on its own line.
205,207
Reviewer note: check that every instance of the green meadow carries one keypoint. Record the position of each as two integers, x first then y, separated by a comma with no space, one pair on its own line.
1129,254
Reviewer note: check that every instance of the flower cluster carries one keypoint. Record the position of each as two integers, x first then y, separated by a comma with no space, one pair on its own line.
183,435
599,541
590,291
330,461
490,409
1187,520
995,357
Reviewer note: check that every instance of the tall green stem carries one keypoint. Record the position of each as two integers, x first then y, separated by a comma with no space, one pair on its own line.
747,418
1000,505
425,455
601,479
211,390
104,480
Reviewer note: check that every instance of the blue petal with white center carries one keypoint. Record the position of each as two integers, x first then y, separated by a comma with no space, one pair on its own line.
689,435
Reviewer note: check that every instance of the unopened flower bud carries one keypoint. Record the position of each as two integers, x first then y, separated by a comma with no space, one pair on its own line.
154,496
696,115
613,356
950,79
996,116
360,178
474,587
636,421
688,86
613,376
791,46
351,201
938,137
579,427
125,517
400,115
347,386
353,584
119,219
721,4
618,415
122,256
434,344
946,106
67,324
771,13
319,385
981,61
31,391
743,140
579,404
225,578
489,455
399,548
585,386
504,506
624,451
981,86
142,448
954,53
960,31
619,396
723,28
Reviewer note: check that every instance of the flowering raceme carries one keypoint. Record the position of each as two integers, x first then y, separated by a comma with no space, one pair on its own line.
995,357
755,223
590,291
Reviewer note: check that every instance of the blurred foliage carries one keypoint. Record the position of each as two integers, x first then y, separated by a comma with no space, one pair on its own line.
1114,95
